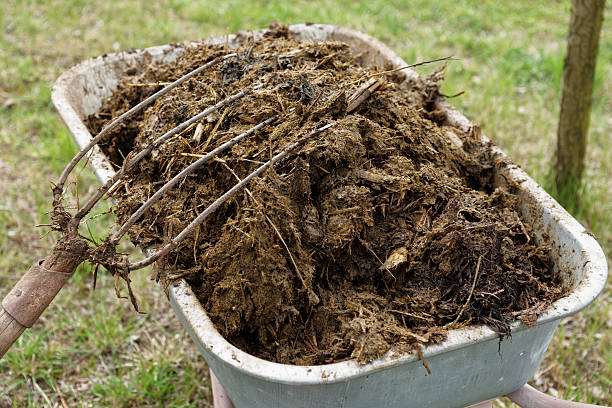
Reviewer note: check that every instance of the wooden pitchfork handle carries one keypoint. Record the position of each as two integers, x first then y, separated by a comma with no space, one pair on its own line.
36,289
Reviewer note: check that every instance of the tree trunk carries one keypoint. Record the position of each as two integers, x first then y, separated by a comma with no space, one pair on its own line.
577,88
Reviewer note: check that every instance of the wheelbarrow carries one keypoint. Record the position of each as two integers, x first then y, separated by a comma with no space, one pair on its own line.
471,366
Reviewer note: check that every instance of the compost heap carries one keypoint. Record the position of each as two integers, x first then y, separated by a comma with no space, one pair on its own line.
384,230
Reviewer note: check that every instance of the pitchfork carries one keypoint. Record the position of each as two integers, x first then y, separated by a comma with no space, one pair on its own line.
38,287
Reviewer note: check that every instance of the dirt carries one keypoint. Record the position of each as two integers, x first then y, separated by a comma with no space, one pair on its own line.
385,230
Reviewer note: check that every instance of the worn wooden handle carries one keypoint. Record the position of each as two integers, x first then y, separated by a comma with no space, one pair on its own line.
27,300
33,293
10,330
37,288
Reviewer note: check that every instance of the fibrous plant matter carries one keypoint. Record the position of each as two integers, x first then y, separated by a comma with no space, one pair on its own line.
384,230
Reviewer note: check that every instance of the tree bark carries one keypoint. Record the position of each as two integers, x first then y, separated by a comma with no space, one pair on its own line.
576,92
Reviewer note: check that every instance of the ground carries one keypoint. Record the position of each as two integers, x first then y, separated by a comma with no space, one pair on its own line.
91,349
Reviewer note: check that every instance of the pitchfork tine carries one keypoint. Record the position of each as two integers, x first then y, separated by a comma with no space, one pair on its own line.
144,152
219,201
59,187
188,170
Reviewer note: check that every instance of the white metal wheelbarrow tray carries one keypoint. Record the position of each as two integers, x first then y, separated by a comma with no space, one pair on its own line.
472,365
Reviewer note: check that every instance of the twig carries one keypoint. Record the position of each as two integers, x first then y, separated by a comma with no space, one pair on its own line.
297,270
93,217
428,319
420,354
325,59
494,294
343,210
453,95
118,184
523,229
367,246
195,244
212,132
417,337
363,93
449,58
193,155
76,193
151,84
470,295
188,129
477,227
249,160
41,392
390,71
90,233
245,233
62,399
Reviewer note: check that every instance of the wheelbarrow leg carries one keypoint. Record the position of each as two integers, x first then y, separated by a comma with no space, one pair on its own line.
484,404
220,398
529,397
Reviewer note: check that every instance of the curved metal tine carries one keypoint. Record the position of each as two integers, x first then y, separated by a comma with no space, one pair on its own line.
144,152
185,172
108,128
219,201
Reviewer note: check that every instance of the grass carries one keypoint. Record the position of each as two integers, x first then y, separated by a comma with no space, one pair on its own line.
92,349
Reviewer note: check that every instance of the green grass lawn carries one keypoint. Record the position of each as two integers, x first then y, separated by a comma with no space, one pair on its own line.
92,349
